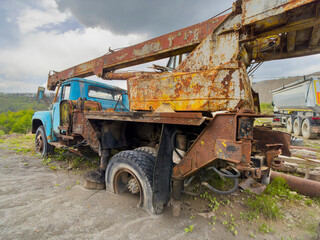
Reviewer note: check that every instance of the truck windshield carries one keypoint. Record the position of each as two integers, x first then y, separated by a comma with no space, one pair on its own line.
99,92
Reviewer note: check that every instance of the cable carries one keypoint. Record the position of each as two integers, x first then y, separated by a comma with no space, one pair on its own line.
227,175
221,12
173,138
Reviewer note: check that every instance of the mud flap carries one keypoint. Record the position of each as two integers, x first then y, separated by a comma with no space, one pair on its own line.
163,169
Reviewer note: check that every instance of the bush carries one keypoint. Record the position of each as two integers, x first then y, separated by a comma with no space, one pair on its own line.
18,122
266,108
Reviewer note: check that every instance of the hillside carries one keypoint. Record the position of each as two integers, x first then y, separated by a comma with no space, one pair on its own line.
264,87
15,102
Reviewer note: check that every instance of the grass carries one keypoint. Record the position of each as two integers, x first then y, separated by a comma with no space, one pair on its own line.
189,229
268,204
24,144
266,108
265,228
20,143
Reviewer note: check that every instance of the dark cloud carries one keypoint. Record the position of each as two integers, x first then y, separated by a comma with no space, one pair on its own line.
142,16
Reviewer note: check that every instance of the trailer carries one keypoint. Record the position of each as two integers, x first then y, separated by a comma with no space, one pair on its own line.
181,122
297,107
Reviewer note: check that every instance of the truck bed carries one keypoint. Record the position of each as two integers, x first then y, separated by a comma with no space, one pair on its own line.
183,118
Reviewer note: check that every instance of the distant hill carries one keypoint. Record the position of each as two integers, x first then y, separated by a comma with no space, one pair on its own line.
15,102
264,87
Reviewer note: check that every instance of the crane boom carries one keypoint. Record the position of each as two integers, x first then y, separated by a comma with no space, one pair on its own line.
174,43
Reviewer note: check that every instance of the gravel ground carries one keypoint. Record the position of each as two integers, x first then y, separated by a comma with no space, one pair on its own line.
39,203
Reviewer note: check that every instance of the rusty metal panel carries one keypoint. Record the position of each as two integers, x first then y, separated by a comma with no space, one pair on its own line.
214,51
177,42
221,140
267,136
213,90
87,129
255,10
217,141
195,119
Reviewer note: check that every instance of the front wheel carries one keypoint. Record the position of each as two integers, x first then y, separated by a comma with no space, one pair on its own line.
43,148
131,171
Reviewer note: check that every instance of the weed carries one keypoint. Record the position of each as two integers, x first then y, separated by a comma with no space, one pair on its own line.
252,235
232,225
265,228
69,187
57,185
279,187
250,216
52,167
308,202
266,205
316,200
214,204
46,161
189,229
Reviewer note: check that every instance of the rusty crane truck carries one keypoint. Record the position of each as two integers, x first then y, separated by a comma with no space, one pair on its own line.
196,117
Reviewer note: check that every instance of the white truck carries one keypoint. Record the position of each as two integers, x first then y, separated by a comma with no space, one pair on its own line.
297,107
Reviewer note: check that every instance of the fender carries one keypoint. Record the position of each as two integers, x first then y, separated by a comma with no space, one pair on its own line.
43,118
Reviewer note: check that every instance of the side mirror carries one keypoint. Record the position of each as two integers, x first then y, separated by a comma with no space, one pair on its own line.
40,92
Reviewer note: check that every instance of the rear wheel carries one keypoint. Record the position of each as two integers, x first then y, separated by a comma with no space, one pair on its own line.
42,146
131,171
289,125
306,129
297,126
150,151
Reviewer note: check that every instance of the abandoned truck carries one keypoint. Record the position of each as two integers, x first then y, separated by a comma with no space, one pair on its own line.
297,107
198,117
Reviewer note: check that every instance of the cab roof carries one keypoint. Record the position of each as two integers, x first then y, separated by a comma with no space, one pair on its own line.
87,81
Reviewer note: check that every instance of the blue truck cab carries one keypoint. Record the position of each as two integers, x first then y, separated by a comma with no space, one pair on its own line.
110,97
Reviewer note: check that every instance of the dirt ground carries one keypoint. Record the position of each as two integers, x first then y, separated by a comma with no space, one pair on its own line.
37,202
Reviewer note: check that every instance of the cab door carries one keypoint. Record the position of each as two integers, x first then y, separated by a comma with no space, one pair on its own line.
64,94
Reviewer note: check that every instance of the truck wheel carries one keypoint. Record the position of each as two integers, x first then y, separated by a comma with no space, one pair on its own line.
150,151
41,144
297,126
306,129
131,171
289,125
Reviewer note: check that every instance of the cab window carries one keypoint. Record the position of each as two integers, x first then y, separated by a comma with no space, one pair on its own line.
99,92
65,92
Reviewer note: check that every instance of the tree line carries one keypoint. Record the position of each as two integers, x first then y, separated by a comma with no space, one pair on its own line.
15,102
16,110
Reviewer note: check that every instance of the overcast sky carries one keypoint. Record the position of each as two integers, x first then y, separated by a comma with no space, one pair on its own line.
41,35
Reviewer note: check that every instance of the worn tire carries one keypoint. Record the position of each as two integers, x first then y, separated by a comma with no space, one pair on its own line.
289,125
306,129
43,148
297,126
150,151
128,165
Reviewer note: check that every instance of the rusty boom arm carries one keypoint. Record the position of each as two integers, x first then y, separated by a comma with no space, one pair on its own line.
178,42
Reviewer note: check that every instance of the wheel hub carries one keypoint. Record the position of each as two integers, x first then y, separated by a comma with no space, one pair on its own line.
39,144
133,186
